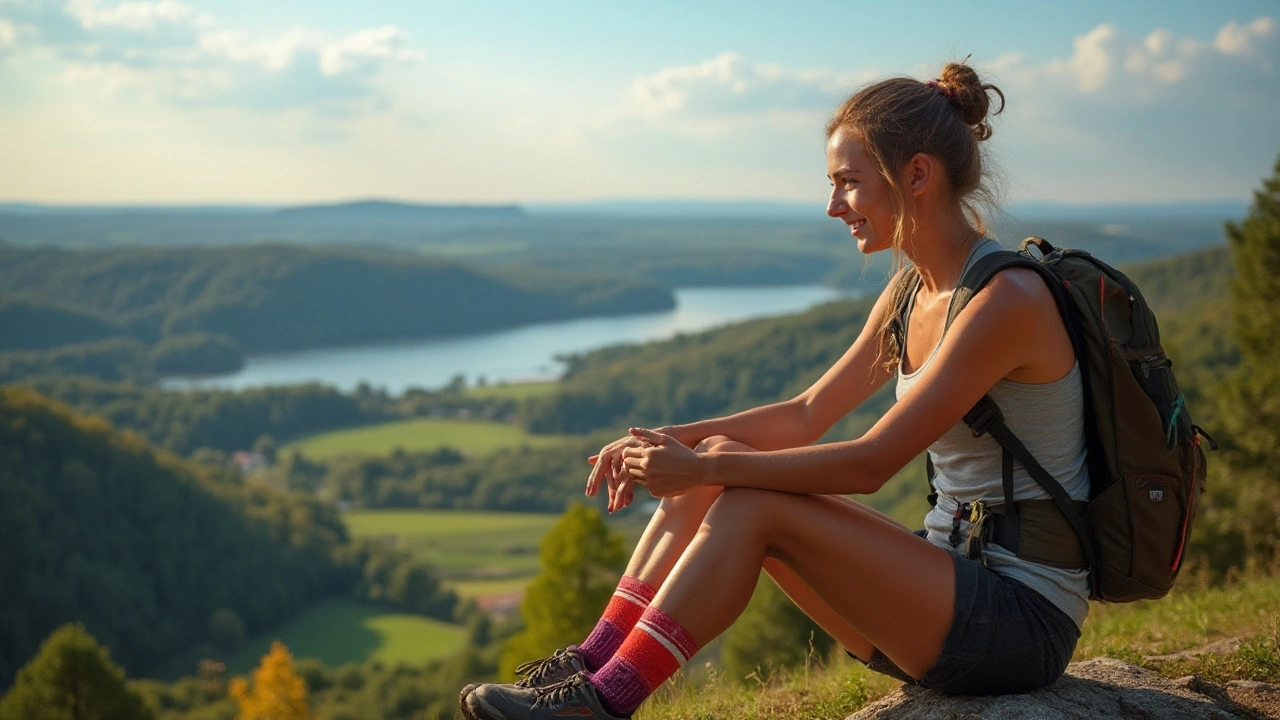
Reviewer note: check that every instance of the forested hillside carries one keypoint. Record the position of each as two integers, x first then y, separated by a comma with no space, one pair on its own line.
274,297
147,549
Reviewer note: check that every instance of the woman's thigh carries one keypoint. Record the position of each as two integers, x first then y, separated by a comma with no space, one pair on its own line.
896,589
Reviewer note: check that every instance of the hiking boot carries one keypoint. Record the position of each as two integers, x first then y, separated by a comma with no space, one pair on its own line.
561,665
575,697
462,699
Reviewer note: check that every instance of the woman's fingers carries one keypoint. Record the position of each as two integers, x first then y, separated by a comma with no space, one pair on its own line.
608,468
622,497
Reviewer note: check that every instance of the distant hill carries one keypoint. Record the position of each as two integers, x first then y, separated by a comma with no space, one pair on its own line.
373,222
275,297
388,211
678,242
139,545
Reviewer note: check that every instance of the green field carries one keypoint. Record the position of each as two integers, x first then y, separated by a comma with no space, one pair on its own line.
338,631
512,391
461,544
473,437
480,588
478,552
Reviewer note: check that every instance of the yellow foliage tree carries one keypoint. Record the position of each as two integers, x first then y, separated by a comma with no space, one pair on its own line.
278,692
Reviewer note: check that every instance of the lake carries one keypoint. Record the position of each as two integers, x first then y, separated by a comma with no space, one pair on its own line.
514,355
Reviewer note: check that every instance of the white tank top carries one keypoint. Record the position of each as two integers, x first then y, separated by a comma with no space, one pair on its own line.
1049,419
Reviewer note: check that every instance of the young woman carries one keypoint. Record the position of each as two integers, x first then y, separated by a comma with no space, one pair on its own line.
750,492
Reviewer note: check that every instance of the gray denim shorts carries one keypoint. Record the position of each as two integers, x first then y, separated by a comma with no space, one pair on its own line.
1006,638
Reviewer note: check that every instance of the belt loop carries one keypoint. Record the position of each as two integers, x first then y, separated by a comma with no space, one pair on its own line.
962,509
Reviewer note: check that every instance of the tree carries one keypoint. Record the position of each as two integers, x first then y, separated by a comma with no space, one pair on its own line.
278,692
1254,394
581,562
1241,510
772,634
72,678
226,630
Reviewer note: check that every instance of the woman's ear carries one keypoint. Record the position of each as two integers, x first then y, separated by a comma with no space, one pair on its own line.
919,173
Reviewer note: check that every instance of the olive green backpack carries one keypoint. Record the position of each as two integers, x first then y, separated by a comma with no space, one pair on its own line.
1146,464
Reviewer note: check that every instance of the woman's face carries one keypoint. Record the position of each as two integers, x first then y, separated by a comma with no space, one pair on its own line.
859,195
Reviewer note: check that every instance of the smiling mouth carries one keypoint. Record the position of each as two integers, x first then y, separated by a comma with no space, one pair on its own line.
856,225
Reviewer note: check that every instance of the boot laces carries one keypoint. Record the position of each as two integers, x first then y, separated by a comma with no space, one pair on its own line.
535,670
570,692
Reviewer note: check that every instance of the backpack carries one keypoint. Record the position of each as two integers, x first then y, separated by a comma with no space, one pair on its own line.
1144,455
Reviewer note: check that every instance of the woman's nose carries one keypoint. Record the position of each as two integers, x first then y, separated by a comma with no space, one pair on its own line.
836,205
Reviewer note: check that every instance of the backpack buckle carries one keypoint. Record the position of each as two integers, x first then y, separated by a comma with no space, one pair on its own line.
983,415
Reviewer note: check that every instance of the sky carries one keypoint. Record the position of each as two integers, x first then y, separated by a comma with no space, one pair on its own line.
558,101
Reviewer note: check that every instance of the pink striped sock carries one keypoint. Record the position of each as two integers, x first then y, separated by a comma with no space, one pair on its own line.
620,615
653,651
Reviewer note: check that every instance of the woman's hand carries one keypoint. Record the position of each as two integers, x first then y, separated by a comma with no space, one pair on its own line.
662,464
608,469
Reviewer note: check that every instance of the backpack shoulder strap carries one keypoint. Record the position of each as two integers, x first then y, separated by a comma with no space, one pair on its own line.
985,417
981,273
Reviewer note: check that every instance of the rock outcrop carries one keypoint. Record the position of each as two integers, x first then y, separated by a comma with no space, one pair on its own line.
1091,690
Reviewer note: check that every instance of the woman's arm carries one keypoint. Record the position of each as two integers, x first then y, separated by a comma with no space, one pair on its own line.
1005,327
803,419
798,421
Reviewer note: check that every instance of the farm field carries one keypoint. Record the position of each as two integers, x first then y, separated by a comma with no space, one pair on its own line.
513,391
473,437
471,589
337,631
461,543
478,554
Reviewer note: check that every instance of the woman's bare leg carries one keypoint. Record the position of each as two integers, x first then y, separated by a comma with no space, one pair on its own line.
850,566
672,528
804,598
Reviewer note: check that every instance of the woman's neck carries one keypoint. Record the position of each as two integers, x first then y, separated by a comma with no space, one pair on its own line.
939,247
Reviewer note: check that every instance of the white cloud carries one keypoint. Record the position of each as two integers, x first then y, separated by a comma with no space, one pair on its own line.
1247,40
13,35
729,84
135,16
1091,65
364,51
168,51
271,55
1158,116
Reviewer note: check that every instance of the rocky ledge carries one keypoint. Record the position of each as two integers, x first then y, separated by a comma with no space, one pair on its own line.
1091,690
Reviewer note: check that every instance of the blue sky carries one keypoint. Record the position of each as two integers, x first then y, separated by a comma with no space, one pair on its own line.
186,101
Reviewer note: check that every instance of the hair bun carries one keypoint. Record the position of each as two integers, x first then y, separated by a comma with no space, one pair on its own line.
969,96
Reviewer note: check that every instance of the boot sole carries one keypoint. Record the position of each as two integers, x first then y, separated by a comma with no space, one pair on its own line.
462,703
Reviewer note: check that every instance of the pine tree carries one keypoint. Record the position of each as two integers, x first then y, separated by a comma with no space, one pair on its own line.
72,678
1240,513
1253,397
278,692
581,563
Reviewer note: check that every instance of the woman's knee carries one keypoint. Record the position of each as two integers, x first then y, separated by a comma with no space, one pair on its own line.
698,500
709,443
742,507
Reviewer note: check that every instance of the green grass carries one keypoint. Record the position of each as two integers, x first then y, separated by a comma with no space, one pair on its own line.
473,437
494,586
1190,618
338,631
513,391
461,544
1185,620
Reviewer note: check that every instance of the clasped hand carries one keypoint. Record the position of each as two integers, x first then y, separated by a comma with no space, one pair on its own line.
657,461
